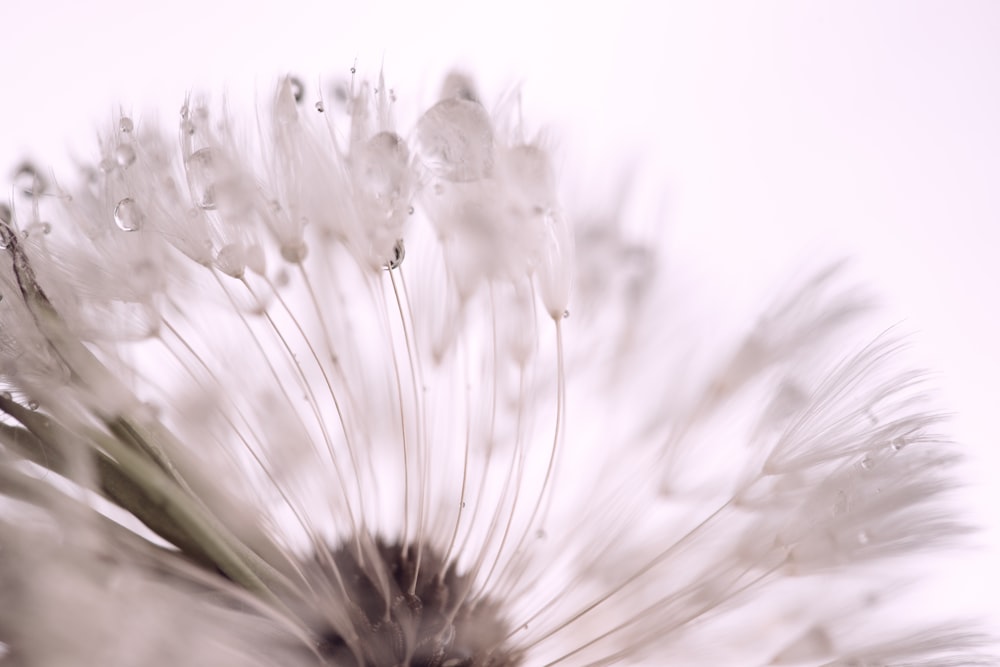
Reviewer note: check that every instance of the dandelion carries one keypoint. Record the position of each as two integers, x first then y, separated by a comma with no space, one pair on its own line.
311,395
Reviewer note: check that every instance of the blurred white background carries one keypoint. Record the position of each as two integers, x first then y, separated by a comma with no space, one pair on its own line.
764,134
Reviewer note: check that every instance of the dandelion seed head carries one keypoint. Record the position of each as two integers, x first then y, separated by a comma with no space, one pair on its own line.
322,368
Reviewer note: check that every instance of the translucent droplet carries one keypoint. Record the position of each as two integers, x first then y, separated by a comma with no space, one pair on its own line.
128,216
398,253
28,181
459,85
382,165
37,229
298,88
200,168
463,504
565,314
867,463
125,124
231,260
125,155
897,444
32,405
863,537
455,140
296,253
354,70
320,107
107,165
410,210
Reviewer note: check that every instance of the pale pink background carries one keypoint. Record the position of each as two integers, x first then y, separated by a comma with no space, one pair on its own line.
765,134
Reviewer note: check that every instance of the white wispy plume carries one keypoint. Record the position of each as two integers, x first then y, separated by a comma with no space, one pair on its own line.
308,392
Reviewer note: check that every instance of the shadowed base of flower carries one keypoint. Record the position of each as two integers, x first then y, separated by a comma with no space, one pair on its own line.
407,605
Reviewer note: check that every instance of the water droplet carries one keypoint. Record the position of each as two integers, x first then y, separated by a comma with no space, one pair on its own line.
125,124
28,181
459,85
125,155
231,260
319,107
382,166
32,404
298,88
463,504
863,537
565,314
128,216
294,254
107,165
410,210
867,463
200,167
455,140
37,229
354,70
897,444
398,253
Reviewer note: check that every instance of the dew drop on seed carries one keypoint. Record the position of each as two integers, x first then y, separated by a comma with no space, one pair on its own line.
398,253
231,260
27,180
107,165
125,124
32,405
319,107
293,254
125,155
128,217
897,444
200,167
383,165
455,140
37,229
298,88
460,86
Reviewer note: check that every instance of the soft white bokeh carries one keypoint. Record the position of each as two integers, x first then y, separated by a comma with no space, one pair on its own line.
764,136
